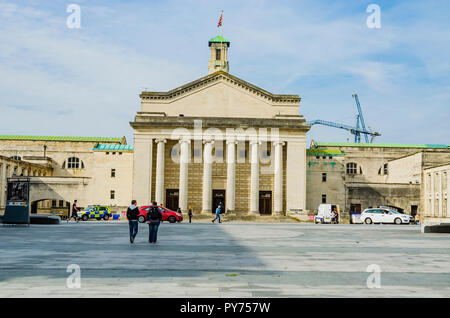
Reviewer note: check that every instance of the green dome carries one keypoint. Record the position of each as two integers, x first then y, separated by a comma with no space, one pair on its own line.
219,39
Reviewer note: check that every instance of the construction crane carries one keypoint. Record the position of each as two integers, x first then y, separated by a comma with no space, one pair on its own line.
357,131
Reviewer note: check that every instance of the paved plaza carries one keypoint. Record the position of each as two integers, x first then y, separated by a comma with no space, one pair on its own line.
224,260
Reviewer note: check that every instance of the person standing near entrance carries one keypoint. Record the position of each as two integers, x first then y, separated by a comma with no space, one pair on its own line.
190,214
74,212
217,215
132,216
154,217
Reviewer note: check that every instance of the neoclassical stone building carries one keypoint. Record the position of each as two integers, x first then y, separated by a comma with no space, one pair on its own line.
220,139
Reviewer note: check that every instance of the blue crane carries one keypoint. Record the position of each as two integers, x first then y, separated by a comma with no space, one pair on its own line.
357,131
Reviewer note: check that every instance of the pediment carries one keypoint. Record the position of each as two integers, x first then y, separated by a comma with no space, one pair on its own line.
219,76
219,94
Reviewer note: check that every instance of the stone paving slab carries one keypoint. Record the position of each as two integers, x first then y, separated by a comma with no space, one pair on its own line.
224,260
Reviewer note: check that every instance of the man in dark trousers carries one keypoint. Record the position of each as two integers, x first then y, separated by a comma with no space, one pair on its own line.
132,216
154,218
74,212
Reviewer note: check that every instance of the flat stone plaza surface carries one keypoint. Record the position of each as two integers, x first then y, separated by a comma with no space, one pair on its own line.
224,260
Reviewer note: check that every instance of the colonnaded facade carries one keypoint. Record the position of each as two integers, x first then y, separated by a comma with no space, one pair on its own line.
220,139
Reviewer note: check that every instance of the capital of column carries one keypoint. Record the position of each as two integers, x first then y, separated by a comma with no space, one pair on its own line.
279,143
160,140
255,142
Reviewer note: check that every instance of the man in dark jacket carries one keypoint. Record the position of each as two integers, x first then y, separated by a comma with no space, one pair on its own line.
154,217
132,216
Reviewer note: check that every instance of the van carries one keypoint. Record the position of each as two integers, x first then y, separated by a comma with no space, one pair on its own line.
324,215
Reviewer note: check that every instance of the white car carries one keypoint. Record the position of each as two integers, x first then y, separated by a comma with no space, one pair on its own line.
380,215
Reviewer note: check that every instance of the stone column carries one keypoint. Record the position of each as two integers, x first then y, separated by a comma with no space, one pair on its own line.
207,176
142,169
159,191
278,177
433,195
185,155
254,177
231,175
296,175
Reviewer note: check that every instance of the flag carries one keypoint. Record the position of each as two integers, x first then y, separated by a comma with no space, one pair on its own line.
220,21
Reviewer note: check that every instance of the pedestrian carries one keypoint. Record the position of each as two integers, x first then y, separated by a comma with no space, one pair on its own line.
190,214
416,219
217,215
74,212
154,218
132,216
222,207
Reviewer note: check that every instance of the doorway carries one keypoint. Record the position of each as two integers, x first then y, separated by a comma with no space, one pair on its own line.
413,210
265,202
172,196
218,196
355,208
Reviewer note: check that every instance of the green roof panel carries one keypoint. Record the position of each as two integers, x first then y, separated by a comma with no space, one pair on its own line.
369,145
61,138
109,147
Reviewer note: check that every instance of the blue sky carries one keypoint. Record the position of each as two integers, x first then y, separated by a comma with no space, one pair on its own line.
86,82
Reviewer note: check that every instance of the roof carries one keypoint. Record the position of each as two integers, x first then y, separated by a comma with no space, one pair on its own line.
324,152
62,138
109,147
219,39
369,145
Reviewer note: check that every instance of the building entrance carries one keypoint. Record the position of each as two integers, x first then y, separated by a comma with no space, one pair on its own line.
265,202
218,196
172,196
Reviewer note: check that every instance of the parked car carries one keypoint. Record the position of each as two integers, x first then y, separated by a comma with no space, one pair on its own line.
95,212
324,214
168,215
383,215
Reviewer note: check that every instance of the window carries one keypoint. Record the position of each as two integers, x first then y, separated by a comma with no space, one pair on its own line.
243,153
351,168
74,163
16,157
197,153
218,154
324,198
217,54
324,177
113,173
107,153
113,194
385,169
113,153
317,157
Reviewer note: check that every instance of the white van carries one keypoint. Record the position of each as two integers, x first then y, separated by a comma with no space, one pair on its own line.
324,214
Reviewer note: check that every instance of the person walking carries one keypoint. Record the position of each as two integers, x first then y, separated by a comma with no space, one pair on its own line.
217,215
154,218
132,216
190,214
74,212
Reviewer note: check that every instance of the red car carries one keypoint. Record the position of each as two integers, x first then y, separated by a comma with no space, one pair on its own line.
168,215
